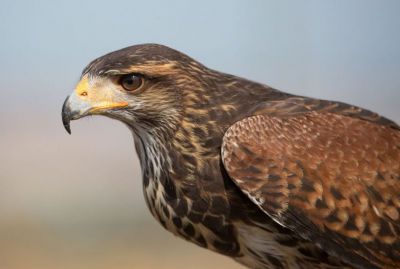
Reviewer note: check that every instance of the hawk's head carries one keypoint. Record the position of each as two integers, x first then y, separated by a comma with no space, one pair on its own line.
140,85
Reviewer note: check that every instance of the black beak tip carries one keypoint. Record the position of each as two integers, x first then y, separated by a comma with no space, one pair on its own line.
66,116
67,127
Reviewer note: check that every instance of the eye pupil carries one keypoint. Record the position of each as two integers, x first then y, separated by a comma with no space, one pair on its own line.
131,82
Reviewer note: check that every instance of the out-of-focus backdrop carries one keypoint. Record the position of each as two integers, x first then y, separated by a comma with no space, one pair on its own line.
76,201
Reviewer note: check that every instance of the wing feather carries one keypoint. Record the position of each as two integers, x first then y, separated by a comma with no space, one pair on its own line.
331,178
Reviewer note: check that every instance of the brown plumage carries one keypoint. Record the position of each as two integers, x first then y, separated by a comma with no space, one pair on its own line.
270,179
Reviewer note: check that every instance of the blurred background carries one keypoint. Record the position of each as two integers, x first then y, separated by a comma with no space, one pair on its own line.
76,201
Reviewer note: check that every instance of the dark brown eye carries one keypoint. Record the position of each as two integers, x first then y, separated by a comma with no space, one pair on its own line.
131,82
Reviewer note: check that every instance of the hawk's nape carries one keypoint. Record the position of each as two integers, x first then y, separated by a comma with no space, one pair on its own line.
270,179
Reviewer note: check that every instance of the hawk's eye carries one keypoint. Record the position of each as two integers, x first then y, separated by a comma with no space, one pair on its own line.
131,82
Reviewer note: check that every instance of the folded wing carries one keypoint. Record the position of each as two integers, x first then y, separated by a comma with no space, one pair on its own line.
332,179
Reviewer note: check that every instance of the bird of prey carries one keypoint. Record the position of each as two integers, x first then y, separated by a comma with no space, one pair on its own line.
271,179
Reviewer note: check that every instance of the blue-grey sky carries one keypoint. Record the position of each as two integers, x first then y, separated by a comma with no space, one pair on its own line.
345,49
79,198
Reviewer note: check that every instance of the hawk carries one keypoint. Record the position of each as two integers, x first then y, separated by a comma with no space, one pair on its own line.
271,179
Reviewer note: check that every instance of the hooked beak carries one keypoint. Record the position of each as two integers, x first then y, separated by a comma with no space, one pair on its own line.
75,108
87,99
66,116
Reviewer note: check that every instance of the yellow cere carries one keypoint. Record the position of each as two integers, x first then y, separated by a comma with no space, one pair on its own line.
82,87
100,98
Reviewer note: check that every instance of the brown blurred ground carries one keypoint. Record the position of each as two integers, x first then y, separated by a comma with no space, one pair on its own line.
76,201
